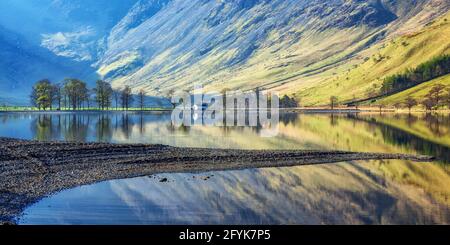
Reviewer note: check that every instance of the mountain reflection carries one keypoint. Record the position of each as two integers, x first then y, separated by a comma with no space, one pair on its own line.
377,192
346,193
134,127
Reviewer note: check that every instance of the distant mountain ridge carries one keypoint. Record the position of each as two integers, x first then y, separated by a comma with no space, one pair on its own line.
23,63
242,44
158,45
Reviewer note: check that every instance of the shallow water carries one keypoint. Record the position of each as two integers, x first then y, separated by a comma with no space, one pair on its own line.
359,192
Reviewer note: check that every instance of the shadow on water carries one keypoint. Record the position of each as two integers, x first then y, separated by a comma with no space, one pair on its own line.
373,192
107,127
438,125
425,147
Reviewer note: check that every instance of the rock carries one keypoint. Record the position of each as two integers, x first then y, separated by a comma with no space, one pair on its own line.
69,164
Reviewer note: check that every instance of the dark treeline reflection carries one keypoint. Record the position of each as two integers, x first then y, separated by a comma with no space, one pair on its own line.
422,133
104,128
284,119
397,134
71,127
86,127
380,192
438,124
422,146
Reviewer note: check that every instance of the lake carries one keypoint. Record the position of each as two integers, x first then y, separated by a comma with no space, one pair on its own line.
357,192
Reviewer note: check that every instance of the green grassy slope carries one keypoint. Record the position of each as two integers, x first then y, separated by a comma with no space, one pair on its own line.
418,92
312,60
311,49
360,77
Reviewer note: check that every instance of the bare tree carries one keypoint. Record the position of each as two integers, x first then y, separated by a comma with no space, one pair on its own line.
333,102
58,94
169,96
410,103
436,94
76,91
141,99
224,97
434,97
116,96
429,104
126,98
398,105
89,98
103,93
34,98
381,107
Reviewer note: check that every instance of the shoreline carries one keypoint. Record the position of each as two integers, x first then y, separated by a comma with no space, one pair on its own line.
31,170
282,110
81,111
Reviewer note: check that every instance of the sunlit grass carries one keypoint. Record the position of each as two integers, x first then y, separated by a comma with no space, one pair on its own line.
356,81
418,92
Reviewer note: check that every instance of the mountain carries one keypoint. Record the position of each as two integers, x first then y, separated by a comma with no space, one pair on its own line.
303,47
52,39
73,29
361,75
418,92
23,63
283,45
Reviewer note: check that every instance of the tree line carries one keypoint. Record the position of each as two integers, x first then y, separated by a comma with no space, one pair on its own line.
74,94
436,67
437,97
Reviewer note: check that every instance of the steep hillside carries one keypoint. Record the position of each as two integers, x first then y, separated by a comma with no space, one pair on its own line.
281,45
310,48
22,64
52,39
69,28
417,92
362,76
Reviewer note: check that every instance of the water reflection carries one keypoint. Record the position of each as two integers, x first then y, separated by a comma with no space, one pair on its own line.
298,195
104,128
402,133
390,192
138,127
396,134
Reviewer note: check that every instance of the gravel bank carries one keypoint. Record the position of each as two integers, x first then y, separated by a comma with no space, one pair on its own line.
31,170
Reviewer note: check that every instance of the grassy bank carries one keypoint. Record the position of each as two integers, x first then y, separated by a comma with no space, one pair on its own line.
418,92
364,75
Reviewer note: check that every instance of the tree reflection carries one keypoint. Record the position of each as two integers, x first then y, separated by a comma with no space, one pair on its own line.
44,128
75,127
125,125
334,120
104,128
411,119
434,123
423,133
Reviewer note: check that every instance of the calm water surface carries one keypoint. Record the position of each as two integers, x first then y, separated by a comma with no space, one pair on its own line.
358,192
